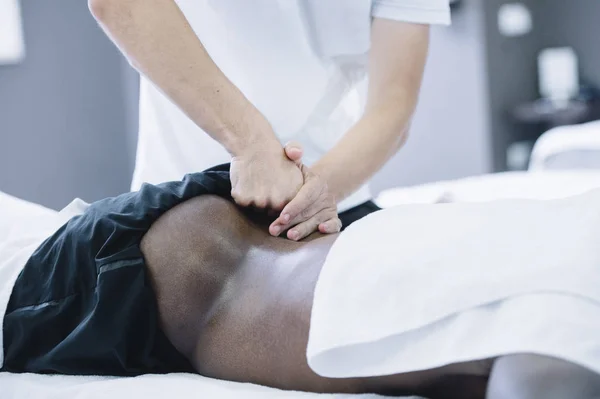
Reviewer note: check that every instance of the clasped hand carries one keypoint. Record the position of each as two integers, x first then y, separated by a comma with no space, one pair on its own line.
279,181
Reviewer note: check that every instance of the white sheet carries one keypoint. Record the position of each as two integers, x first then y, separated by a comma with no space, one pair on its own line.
421,286
23,227
524,185
179,386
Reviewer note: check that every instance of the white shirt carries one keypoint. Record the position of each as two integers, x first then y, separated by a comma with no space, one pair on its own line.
299,62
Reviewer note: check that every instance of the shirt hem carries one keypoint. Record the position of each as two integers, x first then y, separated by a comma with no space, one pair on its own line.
413,14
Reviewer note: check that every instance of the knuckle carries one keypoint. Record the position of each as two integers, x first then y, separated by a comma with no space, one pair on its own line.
279,206
338,225
320,216
303,230
308,228
329,217
329,228
260,202
299,205
306,214
306,201
241,200
291,210
279,202
333,225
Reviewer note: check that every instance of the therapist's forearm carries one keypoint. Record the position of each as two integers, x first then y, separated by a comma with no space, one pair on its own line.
362,152
396,63
158,41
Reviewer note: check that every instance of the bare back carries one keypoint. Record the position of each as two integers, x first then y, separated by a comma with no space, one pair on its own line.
237,302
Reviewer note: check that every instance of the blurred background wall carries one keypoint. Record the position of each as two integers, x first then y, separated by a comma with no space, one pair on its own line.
65,109
449,136
68,112
511,62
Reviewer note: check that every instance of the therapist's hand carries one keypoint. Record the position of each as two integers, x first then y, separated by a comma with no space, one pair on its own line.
312,209
264,177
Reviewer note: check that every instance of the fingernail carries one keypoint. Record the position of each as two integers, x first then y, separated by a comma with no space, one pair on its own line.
286,218
276,230
294,235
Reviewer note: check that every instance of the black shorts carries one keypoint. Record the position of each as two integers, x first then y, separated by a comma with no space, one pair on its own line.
83,303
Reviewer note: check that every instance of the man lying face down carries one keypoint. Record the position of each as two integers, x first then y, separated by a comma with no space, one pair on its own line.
176,278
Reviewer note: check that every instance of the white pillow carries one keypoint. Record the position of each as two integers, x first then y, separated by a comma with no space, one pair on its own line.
568,147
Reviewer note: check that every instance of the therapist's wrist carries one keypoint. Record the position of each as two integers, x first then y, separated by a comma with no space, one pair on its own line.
340,183
260,147
245,130
323,171
254,140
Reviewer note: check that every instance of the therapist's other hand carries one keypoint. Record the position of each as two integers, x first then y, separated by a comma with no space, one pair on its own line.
264,178
312,209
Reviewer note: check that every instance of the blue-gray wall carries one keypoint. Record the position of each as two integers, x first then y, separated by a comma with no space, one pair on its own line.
63,114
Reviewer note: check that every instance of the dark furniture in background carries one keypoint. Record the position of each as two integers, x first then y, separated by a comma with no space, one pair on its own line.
512,81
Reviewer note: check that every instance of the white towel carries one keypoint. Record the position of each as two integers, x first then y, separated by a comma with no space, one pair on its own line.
420,286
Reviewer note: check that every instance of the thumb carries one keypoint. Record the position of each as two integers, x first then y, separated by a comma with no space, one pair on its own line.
294,152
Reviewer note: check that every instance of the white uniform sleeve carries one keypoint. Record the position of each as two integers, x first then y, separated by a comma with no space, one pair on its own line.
434,12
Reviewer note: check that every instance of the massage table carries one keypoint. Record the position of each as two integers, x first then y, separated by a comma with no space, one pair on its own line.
20,386
184,386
